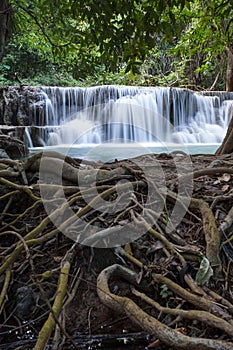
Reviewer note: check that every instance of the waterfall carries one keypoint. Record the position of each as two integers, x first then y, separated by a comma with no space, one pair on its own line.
28,138
138,114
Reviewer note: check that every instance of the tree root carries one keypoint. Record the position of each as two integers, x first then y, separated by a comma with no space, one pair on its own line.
198,301
48,326
199,315
163,258
212,234
4,289
148,323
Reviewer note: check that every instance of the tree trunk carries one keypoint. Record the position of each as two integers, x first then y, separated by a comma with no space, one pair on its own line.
229,73
5,12
227,144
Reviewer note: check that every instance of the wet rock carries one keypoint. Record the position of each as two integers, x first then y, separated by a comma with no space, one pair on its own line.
17,105
216,163
25,302
3,154
13,147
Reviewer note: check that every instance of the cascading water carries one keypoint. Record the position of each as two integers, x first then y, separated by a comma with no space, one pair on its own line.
138,114
28,137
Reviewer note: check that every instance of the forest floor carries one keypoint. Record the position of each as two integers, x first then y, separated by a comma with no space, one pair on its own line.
71,280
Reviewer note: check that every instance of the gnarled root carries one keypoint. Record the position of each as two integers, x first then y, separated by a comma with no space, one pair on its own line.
48,326
150,324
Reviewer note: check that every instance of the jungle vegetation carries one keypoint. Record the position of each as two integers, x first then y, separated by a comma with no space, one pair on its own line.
174,43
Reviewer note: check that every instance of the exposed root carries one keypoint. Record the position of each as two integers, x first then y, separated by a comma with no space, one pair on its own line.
150,324
48,326
104,201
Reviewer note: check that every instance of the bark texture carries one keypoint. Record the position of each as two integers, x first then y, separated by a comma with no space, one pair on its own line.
227,144
5,13
229,72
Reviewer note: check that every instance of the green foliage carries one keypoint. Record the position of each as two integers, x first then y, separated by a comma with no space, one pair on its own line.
206,35
112,32
146,42
19,58
31,68
165,292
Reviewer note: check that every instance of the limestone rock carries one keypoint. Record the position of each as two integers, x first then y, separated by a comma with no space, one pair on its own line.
13,147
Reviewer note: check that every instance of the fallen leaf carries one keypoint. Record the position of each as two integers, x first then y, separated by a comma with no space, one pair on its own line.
155,344
225,188
139,277
128,248
57,258
225,177
217,182
156,246
204,273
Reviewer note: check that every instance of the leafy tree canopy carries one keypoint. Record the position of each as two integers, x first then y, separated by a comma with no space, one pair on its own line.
114,33
109,32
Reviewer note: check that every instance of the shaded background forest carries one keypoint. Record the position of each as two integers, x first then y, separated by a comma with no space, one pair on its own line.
178,43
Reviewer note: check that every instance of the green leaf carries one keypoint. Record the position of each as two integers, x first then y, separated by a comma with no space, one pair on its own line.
204,273
165,292
6,66
128,68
